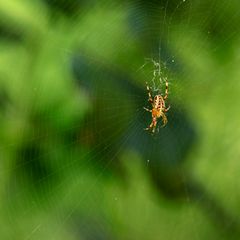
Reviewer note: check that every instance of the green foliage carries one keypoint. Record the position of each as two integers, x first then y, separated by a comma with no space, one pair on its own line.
64,124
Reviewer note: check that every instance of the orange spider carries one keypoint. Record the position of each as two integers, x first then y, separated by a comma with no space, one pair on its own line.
158,108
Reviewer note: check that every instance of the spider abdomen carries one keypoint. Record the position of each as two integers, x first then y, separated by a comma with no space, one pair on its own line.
158,102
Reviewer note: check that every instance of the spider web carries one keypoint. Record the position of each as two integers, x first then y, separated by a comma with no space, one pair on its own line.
76,162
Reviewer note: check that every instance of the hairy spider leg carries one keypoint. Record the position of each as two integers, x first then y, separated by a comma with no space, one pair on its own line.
148,110
166,91
166,96
149,94
151,126
166,109
164,118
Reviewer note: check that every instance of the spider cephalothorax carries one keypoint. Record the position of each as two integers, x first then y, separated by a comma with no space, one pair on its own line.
158,108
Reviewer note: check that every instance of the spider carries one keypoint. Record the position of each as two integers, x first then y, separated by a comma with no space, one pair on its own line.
158,108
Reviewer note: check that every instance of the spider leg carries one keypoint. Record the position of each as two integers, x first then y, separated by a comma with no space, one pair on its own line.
153,129
164,118
149,94
166,109
147,109
150,127
154,126
166,90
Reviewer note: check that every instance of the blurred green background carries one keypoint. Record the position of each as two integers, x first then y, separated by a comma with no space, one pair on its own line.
75,162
